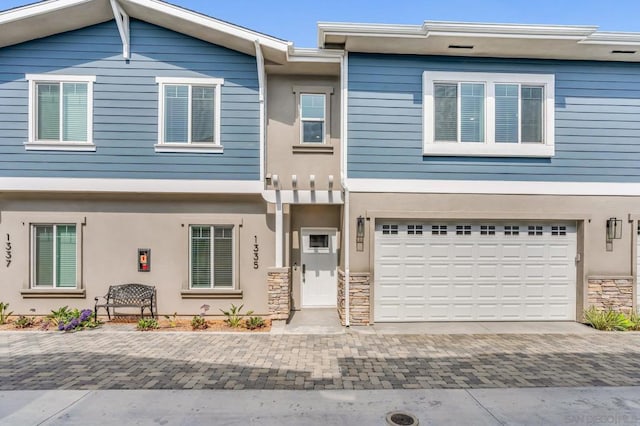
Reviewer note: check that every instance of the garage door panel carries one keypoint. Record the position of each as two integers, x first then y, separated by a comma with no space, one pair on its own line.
461,291
462,271
534,251
461,251
488,252
466,272
532,272
510,271
462,311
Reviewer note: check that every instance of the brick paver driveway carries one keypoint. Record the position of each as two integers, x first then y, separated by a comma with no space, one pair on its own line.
99,359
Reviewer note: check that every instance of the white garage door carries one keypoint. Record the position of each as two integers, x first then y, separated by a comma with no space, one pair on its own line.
474,271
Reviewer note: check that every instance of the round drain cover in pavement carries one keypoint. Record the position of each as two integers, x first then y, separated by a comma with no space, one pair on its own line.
401,419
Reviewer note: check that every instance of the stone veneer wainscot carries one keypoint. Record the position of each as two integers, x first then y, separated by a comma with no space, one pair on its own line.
614,293
359,298
279,287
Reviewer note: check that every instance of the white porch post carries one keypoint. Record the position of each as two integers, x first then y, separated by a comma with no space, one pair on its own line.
279,230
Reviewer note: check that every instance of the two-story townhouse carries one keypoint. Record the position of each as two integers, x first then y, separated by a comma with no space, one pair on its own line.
440,172
492,171
133,138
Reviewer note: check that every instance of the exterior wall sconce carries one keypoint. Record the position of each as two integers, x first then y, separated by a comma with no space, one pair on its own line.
360,233
614,229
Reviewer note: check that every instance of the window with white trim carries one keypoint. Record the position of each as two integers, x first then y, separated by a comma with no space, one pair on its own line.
211,257
60,112
189,114
479,114
313,117
54,256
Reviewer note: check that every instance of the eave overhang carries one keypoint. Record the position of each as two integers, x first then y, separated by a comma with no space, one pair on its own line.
483,40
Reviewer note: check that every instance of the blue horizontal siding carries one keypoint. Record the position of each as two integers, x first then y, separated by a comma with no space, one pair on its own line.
125,118
597,128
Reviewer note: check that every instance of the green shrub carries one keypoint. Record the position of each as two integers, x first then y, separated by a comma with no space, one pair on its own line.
25,322
608,320
199,323
4,313
634,319
254,322
145,324
233,316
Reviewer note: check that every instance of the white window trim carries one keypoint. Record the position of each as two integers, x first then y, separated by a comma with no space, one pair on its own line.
489,148
178,147
32,254
33,144
327,91
322,120
234,269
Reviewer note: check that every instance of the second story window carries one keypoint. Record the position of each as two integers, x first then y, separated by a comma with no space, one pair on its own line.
488,114
60,112
189,114
312,117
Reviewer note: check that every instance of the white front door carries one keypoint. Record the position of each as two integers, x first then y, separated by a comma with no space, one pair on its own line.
319,275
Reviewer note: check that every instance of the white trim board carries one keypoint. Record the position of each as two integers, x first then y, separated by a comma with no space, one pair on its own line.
158,186
409,186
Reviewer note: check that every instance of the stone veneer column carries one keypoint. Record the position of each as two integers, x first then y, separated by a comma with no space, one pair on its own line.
279,287
615,293
359,298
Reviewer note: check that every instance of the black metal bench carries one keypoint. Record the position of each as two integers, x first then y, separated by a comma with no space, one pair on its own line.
128,296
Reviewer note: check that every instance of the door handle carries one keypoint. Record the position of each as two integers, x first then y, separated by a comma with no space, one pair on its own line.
304,268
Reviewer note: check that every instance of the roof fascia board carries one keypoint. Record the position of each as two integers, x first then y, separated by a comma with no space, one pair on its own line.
36,9
314,55
212,23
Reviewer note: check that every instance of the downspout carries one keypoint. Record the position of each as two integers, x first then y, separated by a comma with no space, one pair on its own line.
344,80
262,95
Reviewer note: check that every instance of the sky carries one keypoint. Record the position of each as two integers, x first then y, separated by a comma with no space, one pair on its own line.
296,20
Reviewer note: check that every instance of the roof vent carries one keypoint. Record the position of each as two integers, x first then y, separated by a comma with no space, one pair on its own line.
338,46
460,46
624,52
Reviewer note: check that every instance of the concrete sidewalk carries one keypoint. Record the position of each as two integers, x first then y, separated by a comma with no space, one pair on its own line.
529,406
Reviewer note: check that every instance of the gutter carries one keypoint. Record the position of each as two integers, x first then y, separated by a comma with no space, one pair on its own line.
344,80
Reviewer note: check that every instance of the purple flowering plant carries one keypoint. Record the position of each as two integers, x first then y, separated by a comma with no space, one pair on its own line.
73,319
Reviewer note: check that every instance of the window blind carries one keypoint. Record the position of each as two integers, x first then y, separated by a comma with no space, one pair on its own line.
200,256
176,113
74,112
202,111
66,255
532,105
43,261
472,112
507,113
48,110
446,112
223,257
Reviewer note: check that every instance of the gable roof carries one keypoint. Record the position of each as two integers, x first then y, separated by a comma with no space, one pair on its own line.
50,17
483,39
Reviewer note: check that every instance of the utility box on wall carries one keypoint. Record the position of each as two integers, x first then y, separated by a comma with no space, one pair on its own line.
144,260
